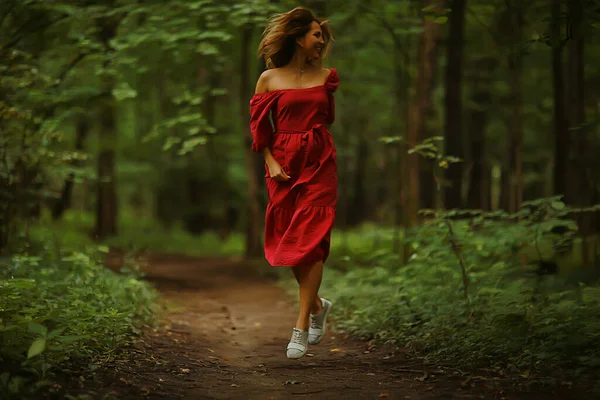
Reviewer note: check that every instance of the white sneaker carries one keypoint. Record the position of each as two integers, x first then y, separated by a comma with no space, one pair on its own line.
298,344
318,323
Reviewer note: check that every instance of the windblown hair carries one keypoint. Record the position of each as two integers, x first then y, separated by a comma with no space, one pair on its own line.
278,44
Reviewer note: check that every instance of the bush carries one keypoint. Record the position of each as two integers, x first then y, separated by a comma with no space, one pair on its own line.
505,311
60,310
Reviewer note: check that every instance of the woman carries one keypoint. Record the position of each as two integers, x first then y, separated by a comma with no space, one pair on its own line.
300,159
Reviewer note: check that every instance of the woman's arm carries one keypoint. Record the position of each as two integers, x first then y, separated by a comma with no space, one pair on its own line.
275,170
262,86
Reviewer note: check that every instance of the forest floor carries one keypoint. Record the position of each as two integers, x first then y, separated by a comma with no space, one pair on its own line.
224,337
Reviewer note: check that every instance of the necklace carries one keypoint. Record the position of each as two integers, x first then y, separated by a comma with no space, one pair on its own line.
301,69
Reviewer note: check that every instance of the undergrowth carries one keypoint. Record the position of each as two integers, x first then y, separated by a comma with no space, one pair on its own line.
137,234
60,309
522,308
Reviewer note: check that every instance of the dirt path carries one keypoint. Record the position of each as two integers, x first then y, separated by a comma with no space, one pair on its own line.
226,338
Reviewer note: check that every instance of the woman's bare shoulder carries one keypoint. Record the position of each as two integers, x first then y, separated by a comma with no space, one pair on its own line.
326,72
266,79
262,85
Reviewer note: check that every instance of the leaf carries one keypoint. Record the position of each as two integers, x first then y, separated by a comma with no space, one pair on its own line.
441,20
390,139
37,347
37,328
433,139
558,205
207,49
123,92
218,92
71,339
22,283
190,144
55,333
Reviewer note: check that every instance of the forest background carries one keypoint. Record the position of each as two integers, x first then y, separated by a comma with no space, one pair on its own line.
467,137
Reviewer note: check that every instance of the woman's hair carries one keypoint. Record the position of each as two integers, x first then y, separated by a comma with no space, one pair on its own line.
278,44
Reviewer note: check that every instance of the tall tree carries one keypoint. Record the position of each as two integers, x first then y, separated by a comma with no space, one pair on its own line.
561,136
254,221
357,203
479,196
82,129
576,190
419,107
106,201
579,188
514,30
453,103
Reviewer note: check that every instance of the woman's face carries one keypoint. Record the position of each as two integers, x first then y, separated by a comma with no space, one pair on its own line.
313,42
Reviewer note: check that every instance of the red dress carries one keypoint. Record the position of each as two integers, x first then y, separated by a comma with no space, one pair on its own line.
301,211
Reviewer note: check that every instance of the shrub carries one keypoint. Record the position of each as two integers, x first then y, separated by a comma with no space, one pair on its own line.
65,309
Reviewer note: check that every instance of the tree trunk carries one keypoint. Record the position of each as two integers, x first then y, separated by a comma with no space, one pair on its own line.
401,84
106,202
505,188
427,184
64,203
427,57
579,188
358,205
515,67
575,190
106,206
229,213
453,104
479,196
254,222
561,135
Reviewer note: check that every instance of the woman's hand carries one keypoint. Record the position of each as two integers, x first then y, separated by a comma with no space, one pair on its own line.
276,172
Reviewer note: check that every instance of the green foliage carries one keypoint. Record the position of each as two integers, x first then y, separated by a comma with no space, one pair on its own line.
138,234
155,65
430,150
177,241
517,319
58,311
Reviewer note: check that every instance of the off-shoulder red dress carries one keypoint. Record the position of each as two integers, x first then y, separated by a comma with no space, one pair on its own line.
301,211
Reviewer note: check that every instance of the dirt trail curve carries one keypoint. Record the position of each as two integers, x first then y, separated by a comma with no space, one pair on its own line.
226,336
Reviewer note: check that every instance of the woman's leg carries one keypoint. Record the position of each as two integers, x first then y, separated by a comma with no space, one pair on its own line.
309,280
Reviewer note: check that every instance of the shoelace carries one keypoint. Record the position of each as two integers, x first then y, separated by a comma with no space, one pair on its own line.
297,337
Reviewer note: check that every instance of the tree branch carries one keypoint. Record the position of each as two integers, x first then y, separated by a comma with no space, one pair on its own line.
69,67
390,29
41,28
